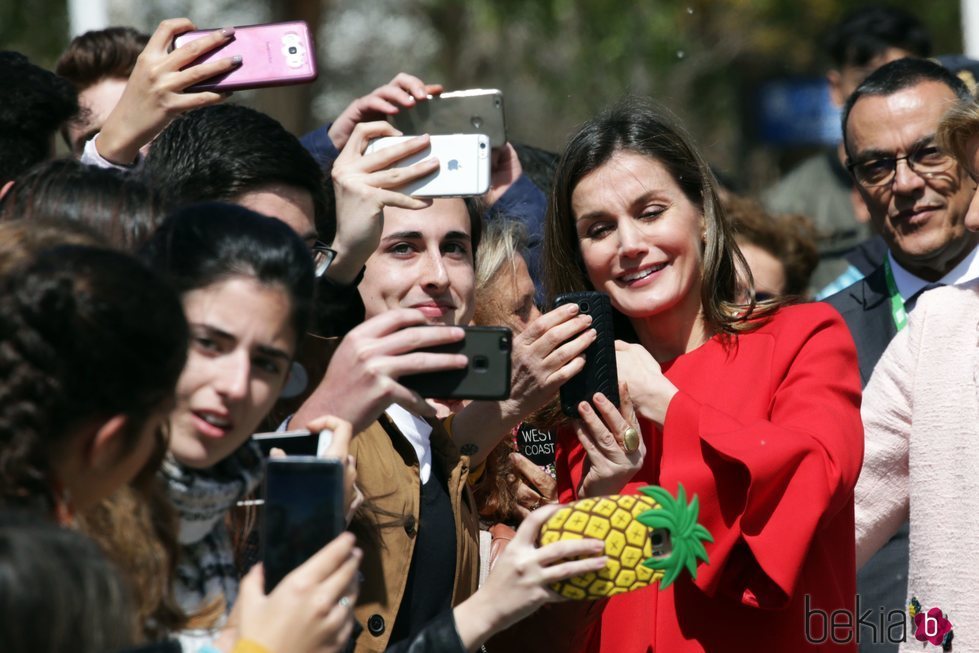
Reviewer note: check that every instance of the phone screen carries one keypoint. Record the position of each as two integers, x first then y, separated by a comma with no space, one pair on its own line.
303,512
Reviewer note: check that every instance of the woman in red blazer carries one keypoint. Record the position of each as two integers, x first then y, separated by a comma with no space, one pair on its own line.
754,408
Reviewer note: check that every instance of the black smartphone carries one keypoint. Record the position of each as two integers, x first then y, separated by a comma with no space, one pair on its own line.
487,376
166,646
600,373
304,511
293,443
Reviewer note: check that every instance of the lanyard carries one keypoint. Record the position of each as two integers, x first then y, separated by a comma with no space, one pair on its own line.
898,313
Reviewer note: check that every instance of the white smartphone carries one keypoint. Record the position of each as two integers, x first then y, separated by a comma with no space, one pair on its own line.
464,165
476,110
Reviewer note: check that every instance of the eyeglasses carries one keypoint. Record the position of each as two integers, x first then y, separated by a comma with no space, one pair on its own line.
926,162
322,257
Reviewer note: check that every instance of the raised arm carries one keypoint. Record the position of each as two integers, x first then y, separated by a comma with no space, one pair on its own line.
154,94
403,91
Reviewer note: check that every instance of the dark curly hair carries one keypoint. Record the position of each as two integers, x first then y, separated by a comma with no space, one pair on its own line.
119,206
790,238
85,334
34,102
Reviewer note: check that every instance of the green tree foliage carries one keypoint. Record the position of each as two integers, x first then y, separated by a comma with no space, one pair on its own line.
37,28
560,61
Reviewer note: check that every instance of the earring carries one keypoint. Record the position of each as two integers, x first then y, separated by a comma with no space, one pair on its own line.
64,511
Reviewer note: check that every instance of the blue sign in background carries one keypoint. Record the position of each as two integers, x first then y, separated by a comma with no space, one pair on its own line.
797,111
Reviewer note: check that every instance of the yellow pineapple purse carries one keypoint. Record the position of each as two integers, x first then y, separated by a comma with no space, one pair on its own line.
649,537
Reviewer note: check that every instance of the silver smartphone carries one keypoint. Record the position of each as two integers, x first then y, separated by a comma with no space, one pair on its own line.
476,110
464,165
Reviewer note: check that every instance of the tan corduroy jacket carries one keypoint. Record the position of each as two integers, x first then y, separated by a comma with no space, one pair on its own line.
386,526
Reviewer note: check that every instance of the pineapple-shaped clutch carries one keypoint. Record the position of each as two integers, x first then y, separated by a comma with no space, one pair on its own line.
649,537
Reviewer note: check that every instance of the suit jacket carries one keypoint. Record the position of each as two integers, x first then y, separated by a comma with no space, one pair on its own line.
866,308
882,582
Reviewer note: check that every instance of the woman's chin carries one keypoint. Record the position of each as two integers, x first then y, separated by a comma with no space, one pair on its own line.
636,307
195,457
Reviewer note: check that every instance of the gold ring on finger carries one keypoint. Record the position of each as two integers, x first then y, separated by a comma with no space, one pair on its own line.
630,439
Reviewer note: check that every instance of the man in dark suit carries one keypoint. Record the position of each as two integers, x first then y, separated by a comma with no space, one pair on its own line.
917,197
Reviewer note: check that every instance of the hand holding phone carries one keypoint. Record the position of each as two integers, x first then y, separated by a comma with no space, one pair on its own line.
154,93
401,92
599,373
464,165
273,54
486,376
310,610
358,389
304,511
364,184
612,461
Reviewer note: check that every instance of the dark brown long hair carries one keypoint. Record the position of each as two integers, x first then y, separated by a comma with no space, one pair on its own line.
640,126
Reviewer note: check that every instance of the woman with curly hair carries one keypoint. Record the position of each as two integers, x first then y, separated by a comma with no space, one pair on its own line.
91,346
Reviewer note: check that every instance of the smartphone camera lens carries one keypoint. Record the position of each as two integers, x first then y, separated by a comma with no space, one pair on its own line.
584,306
293,49
482,146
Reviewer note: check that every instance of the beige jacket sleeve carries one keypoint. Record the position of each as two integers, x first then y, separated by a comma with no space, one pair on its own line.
881,494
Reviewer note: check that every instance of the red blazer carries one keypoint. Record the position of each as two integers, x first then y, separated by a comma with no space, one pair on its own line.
766,431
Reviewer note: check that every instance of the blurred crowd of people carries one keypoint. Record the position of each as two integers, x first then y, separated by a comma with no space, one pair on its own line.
804,362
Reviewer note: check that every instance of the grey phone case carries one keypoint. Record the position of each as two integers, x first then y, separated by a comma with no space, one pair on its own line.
487,376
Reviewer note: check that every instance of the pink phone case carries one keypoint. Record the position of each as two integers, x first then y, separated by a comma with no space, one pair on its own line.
274,54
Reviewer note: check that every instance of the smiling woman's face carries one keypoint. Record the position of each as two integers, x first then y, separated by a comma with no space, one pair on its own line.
640,236
241,345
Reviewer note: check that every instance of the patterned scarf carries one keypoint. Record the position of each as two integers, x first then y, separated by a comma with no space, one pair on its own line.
203,498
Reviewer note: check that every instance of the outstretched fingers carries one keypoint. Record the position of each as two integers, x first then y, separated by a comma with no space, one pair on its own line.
166,31
189,52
